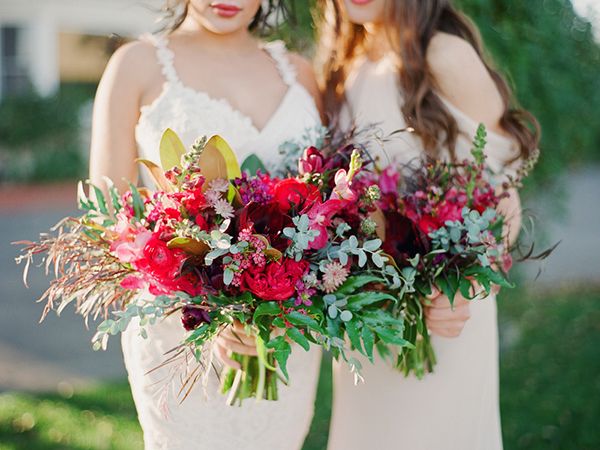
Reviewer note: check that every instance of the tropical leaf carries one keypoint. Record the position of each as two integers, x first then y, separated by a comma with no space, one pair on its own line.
219,161
191,246
171,150
158,175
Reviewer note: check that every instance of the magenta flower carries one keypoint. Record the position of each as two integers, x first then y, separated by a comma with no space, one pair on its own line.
311,162
320,215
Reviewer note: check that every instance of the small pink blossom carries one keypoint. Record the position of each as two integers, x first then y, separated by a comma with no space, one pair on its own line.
219,185
342,190
334,276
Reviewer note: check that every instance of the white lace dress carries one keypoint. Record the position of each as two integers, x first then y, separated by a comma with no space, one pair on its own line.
201,423
456,407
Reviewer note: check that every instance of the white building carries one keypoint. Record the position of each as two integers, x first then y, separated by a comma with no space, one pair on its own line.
41,41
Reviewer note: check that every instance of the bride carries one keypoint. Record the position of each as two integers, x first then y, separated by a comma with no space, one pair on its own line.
207,75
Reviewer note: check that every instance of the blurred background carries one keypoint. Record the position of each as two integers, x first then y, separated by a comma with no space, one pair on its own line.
56,393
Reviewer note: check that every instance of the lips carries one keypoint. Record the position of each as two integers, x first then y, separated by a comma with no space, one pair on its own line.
225,9
361,2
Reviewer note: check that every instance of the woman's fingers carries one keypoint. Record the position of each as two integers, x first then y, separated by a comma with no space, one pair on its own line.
459,313
223,355
443,302
238,347
434,293
448,332
236,335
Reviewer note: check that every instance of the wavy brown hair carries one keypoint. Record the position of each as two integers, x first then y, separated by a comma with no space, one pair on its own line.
269,13
410,25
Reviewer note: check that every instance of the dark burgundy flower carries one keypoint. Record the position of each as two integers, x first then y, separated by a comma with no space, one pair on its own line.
192,317
403,239
266,219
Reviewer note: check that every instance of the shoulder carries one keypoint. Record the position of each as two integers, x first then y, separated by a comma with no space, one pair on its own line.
306,76
462,77
133,62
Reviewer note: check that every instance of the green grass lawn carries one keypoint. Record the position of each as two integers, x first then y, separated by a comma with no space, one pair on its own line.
550,392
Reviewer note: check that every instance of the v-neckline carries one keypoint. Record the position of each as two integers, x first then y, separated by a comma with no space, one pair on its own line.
236,111
225,102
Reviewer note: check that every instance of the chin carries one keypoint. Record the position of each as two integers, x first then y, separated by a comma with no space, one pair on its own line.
225,16
363,12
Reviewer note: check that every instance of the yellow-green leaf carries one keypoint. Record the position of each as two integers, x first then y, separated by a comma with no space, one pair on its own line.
158,175
171,150
219,161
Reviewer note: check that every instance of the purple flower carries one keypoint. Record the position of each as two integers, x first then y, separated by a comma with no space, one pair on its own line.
304,294
192,317
254,189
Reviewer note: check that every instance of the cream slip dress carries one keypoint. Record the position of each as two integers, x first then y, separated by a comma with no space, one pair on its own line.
456,407
199,422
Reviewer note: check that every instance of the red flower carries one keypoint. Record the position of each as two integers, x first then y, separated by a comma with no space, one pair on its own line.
291,192
160,262
277,280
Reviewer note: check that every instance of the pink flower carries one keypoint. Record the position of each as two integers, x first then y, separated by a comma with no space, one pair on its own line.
389,180
133,282
130,242
320,215
342,190
334,276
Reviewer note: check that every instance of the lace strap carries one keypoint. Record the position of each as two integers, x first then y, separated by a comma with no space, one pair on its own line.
278,52
164,55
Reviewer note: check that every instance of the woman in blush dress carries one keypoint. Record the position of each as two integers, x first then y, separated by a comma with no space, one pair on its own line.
419,64
207,75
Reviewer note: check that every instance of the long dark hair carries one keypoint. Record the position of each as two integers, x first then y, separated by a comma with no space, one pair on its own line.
269,14
410,26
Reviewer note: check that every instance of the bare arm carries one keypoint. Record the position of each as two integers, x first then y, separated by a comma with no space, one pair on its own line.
463,79
116,112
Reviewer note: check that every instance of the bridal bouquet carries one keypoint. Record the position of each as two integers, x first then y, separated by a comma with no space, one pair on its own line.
444,231
290,258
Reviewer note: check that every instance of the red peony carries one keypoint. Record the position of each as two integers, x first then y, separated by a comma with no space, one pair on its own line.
277,280
291,192
160,262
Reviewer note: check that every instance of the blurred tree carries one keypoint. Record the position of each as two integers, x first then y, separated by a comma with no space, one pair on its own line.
550,54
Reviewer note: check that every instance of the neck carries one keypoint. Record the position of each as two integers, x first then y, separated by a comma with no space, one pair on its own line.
236,42
377,42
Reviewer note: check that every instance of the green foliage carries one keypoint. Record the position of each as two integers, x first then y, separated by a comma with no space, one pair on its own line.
550,55
39,137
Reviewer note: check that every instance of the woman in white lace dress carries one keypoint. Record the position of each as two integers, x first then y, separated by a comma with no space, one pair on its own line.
207,76
418,63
